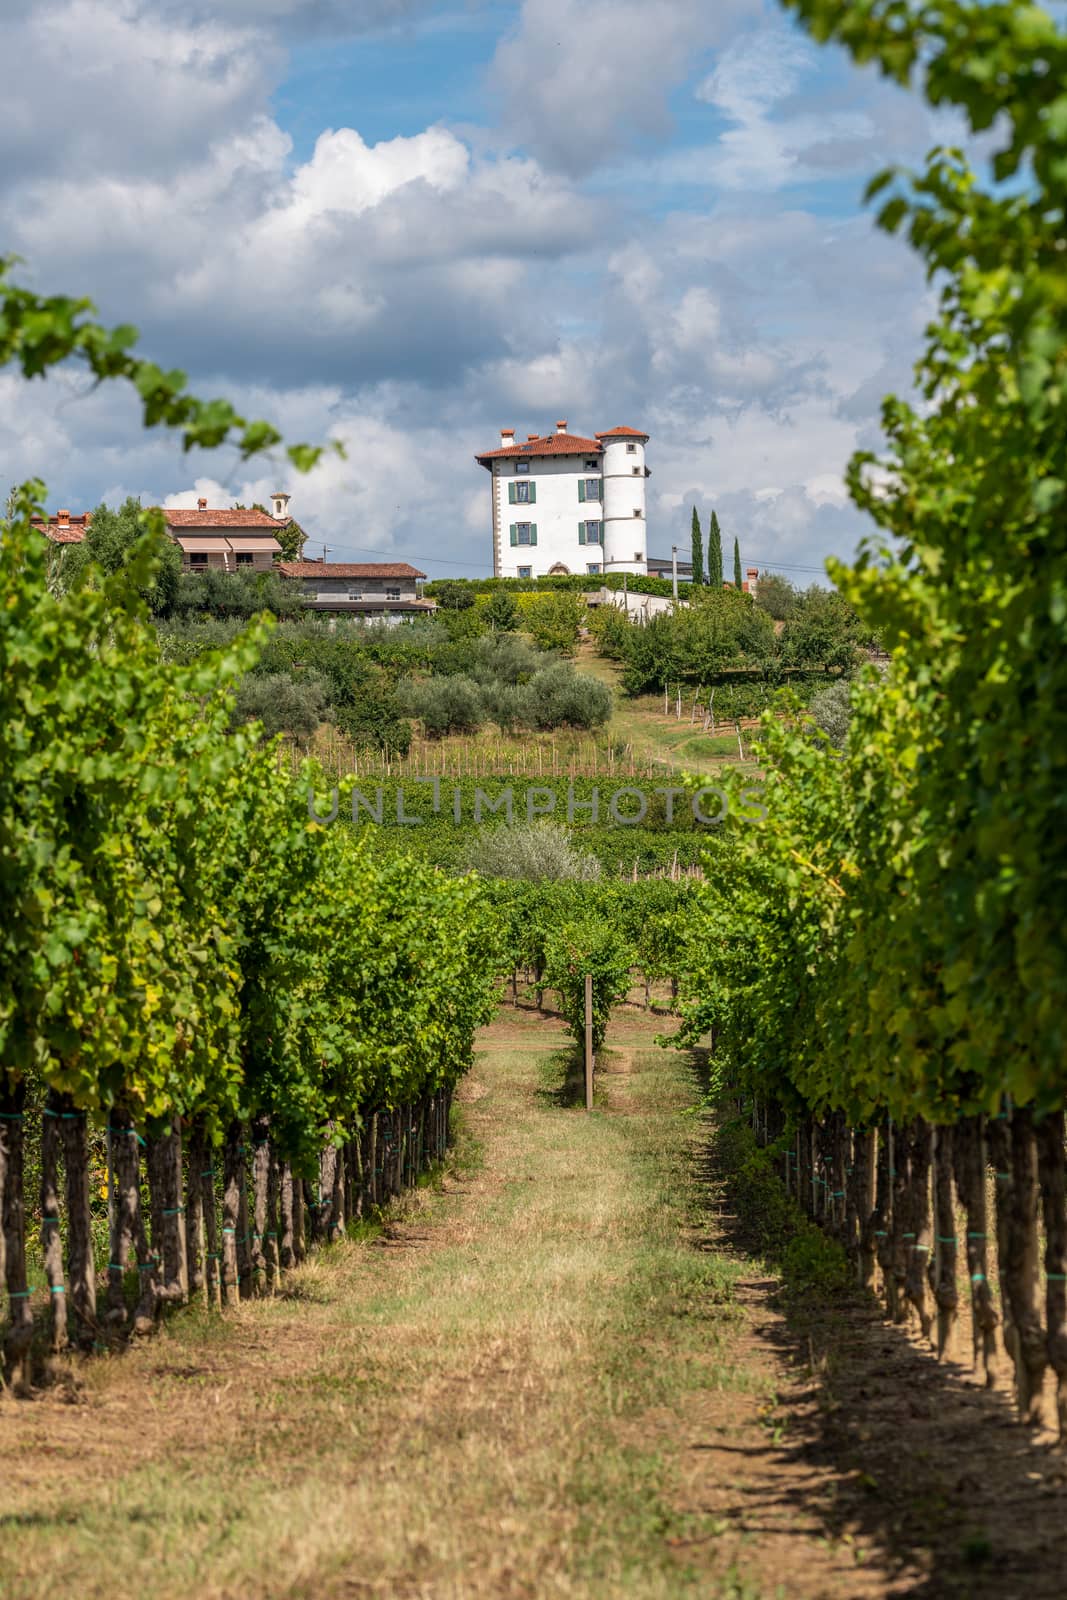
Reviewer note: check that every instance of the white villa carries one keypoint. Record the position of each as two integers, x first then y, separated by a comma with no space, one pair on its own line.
563,503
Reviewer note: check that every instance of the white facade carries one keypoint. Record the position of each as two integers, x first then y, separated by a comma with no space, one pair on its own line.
565,503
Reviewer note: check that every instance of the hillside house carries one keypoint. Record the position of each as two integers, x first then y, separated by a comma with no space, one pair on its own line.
225,539
562,503
386,589
228,540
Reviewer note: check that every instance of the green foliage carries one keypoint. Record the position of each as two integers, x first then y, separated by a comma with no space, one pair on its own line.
107,546
445,705
176,936
281,704
501,613
552,619
831,710
244,594
540,852
777,596
719,630
777,1228
575,949
890,940
715,572
737,565
697,549
824,631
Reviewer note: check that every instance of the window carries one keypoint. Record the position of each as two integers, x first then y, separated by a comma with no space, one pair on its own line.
593,465
636,472
526,572
637,511
638,556
245,558
392,594
522,494
589,488
631,449
522,466
590,533
594,566
354,594
198,559
524,533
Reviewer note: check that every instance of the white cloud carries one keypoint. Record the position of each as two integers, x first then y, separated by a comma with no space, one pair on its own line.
579,81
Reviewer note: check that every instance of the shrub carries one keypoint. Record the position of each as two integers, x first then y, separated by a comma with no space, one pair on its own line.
539,851
558,696
831,709
445,705
282,704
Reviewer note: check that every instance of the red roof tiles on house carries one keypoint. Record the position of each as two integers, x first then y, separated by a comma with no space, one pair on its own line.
551,444
623,433
348,569
65,529
176,518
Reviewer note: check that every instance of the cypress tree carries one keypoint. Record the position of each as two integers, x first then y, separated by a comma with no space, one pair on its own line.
698,549
714,553
737,565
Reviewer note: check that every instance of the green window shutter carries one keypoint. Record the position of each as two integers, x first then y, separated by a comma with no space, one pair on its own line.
600,488
514,534
581,533
511,494
581,488
533,492
533,532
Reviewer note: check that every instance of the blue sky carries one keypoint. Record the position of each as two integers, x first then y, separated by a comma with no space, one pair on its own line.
407,225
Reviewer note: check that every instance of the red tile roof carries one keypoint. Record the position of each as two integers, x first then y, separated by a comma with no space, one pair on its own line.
70,531
550,444
221,519
349,569
623,433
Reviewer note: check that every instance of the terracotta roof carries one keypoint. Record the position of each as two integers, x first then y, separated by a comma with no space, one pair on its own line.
221,519
623,433
348,569
70,531
550,444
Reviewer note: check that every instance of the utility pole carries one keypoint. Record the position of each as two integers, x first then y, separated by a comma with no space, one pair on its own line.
674,570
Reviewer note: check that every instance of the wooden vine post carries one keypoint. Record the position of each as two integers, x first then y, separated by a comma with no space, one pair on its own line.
589,1041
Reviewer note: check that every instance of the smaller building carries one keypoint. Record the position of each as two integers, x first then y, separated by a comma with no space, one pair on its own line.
229,540
385,589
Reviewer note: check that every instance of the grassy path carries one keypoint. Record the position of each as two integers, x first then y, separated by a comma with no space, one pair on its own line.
553,1376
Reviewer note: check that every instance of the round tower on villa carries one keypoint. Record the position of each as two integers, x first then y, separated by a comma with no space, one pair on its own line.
625,525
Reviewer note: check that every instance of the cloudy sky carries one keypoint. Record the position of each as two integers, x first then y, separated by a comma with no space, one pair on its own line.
409,223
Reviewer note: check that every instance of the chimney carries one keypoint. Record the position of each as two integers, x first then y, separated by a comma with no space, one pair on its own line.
63,518
507,438
280,505
530,436
561,427
201,505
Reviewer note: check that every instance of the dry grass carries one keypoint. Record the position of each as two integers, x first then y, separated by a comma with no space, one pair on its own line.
443,1411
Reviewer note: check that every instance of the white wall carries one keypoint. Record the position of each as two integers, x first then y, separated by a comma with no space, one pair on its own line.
557,511
625,535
